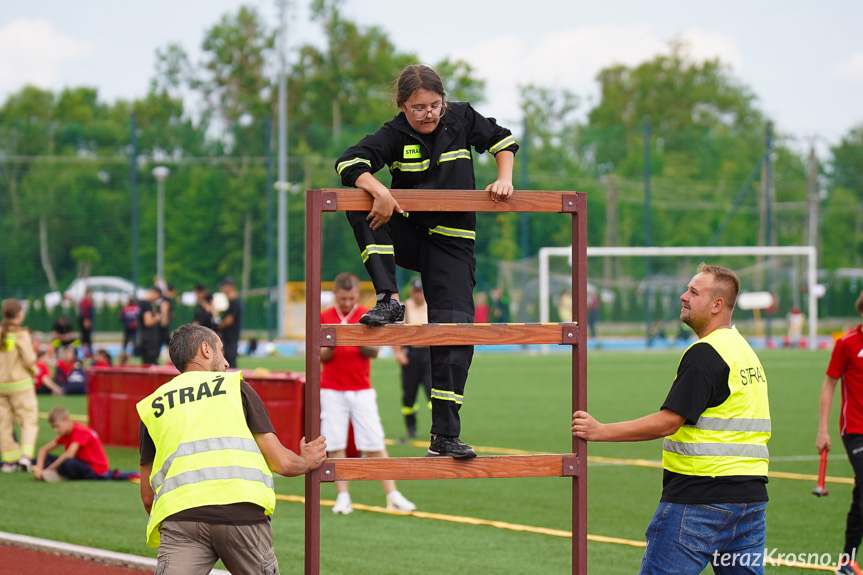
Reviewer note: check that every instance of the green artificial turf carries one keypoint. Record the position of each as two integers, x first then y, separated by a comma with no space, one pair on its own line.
512,401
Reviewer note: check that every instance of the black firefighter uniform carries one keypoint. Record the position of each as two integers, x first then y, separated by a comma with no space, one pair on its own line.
439,245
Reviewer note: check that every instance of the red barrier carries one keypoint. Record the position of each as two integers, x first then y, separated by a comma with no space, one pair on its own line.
113,392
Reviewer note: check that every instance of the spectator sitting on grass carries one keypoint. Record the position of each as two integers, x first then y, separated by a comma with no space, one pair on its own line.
101,358
123,358
62,334
42,378
65,364
69,373
83,456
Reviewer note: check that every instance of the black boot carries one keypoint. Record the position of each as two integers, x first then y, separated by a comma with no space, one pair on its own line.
387,310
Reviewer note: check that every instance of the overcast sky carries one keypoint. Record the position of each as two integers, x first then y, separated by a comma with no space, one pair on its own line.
803,59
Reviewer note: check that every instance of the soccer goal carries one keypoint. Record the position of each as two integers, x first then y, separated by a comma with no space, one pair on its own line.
808,252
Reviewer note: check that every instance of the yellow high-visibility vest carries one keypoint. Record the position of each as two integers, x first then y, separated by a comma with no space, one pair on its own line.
731,438
205,453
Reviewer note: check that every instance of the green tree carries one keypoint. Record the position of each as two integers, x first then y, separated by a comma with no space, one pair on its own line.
705,118
338,92
233,77
842,239
461,82
847,162
707,136
86,257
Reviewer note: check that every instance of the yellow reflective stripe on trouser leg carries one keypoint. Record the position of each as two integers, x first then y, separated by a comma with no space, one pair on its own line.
11,456
379,249
453,232
447,396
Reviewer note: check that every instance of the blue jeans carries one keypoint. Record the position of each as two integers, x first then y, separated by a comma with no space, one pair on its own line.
684,538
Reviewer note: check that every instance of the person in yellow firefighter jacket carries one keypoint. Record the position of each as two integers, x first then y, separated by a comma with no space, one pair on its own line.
17,394
715,423
207,452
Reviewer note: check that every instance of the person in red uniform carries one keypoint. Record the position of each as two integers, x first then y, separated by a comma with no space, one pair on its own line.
429,145
846,364
83,456
347,396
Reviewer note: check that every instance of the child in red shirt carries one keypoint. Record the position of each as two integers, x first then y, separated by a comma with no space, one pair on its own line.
83,456
101,358
42,378
65,364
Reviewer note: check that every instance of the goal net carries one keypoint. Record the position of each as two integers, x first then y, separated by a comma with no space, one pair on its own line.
538,287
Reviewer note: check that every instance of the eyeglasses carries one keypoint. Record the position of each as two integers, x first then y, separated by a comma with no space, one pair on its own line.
422,113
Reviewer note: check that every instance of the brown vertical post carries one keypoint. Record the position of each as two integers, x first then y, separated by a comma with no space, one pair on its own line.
319,201
579,382
313,376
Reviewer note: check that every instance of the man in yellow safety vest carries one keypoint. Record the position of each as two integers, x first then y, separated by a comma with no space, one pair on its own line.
715,423
207,448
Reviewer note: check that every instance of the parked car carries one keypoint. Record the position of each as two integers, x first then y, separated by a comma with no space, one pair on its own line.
106,290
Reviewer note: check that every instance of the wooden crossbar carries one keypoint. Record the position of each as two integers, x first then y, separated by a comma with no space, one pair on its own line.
399,468
449,334
337,199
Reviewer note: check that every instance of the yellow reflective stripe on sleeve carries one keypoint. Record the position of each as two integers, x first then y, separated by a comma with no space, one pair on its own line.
383,250
348,163
411,166
454,155
447,396
508,141
453,232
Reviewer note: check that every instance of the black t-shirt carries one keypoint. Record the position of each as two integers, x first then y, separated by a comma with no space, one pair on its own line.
149,335
231,334
702,382
165,330
62,328
203,317
258,420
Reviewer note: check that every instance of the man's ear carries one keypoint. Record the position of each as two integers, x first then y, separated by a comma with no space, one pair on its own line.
718,305
206,349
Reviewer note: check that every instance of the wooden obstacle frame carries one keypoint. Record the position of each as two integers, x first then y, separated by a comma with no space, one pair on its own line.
573,465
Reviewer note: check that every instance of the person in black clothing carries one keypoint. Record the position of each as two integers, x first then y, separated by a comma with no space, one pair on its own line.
128,317
203,314
166,313
85,322
230,324
149,318
62,334
499,306
427,146
415,361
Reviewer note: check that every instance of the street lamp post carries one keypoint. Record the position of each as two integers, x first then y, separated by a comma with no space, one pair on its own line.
161,174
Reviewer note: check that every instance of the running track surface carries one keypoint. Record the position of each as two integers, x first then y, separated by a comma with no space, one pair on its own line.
20,561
